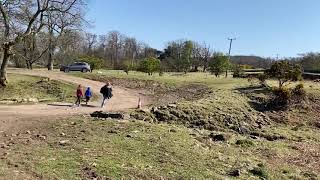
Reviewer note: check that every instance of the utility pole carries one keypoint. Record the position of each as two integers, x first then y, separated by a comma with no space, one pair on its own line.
231,40
277,56
230,46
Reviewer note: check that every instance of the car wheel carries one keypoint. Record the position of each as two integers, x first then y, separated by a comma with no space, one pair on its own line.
66,70
84,70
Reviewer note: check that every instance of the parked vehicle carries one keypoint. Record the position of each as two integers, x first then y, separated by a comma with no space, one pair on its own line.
77,66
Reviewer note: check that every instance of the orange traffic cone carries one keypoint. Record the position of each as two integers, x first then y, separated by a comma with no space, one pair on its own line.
139,103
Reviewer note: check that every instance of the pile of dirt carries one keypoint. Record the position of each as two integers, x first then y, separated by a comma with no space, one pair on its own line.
303,111
206,114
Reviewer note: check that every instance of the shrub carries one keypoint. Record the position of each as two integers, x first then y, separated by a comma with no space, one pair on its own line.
281,97
284,72
244,143
218,64
260,172
149,65
238,71
263,79
95,62
128,66
298,94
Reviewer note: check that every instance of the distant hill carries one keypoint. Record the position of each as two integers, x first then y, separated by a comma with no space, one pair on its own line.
255,61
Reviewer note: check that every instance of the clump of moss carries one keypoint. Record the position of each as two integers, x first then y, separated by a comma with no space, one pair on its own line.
244,143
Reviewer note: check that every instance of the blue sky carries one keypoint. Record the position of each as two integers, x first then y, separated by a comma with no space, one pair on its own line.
262,27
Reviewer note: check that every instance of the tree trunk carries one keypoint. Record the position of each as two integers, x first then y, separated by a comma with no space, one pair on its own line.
28,64
50,50
204,68
5,60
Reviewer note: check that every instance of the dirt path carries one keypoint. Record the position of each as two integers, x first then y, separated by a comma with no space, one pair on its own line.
13,115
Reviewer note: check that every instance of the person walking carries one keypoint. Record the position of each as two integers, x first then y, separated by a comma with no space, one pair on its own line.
106,92
79,95
88,95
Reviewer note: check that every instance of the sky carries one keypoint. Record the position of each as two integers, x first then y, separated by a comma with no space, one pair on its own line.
262,27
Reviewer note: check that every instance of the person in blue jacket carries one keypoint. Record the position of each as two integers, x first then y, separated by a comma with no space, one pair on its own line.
88,95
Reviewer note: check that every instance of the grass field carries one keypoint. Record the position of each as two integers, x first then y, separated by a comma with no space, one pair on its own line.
22,88
179,79
182,146
112,149
174,79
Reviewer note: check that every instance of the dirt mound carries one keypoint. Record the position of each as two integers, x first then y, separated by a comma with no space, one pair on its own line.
209,113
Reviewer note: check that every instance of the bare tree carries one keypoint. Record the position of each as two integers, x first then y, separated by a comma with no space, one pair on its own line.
91,40
58,22
130,49
21,18
114,44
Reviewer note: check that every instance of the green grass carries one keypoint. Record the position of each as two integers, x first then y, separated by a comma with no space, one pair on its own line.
140,150
173,79
152,151
22,87
179,79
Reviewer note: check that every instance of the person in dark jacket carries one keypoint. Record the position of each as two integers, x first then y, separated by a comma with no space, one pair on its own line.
79,95
88,95
106,92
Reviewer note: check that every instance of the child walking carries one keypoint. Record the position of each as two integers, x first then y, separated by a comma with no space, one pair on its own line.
88,95
79,95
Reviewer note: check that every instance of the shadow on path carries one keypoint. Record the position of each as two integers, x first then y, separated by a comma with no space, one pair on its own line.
72,105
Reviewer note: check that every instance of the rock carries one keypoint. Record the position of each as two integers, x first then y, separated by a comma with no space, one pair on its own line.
154,109
234,173
317,124
94,164
28,132
172,105
217,137
73,123
42,137
113,131
34,100
105,115
3,146
63,142
129,136
173,130
62,134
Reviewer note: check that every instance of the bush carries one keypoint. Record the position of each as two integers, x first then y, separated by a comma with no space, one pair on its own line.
244,143
218,64
284,72
95,62
238,71
149,65
128,66
282,97
260,172
299,90
263,79
298,94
